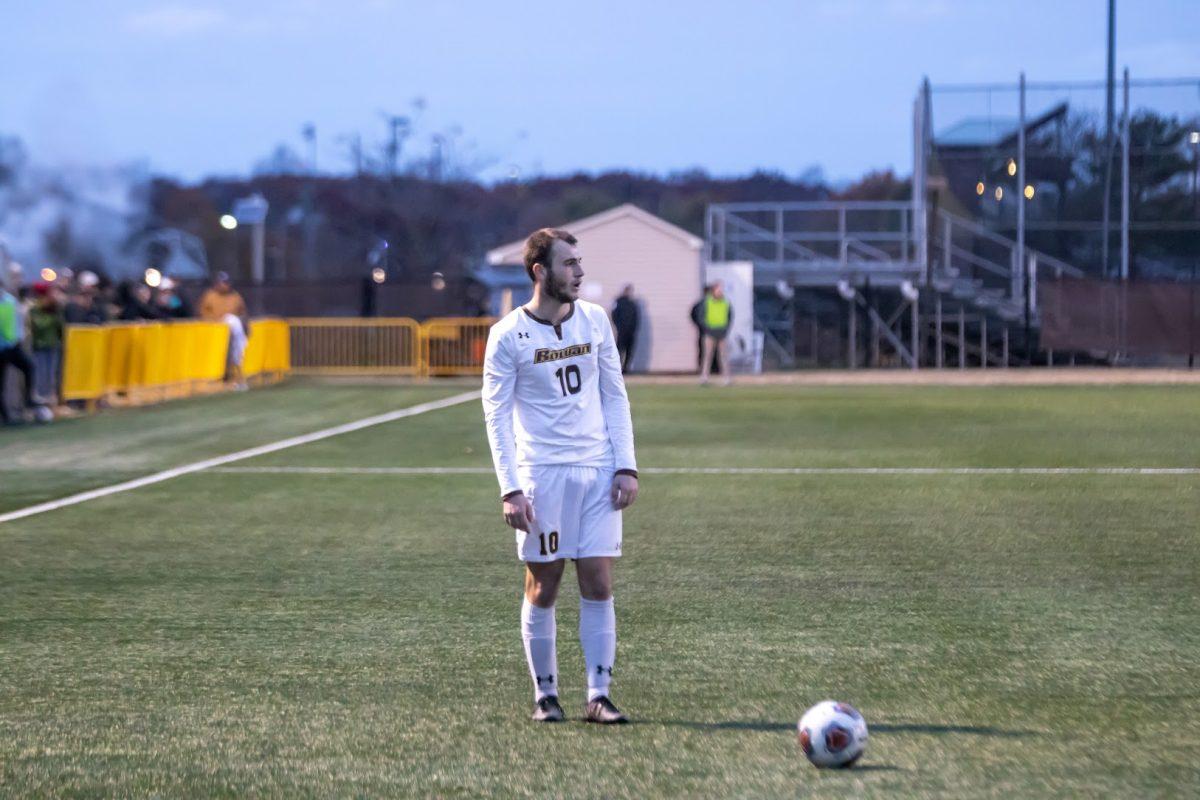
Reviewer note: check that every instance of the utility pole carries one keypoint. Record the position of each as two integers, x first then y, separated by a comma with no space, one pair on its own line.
1110,88
399,130
309,132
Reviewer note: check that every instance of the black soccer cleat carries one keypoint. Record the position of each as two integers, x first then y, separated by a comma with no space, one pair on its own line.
548,710
602,711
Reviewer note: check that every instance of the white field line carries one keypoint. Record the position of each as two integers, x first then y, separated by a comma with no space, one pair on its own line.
209,463
739,470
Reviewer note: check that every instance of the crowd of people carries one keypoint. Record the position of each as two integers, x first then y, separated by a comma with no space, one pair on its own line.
33,317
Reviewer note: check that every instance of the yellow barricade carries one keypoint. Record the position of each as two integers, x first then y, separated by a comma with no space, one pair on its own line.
149,361
85,362
388,345
454,345
353,346
269,348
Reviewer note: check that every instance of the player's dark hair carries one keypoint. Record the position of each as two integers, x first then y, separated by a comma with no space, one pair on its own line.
537,247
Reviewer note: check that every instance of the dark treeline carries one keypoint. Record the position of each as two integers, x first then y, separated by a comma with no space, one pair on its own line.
321,228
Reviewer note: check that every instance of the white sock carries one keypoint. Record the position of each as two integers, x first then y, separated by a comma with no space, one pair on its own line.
598,635
538,633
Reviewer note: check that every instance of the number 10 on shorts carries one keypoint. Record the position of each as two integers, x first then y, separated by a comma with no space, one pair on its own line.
550,541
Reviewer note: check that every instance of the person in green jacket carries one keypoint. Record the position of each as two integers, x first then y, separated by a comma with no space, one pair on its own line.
46,336
12,334
716,315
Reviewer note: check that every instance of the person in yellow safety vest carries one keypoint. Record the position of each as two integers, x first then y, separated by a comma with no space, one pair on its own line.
716,315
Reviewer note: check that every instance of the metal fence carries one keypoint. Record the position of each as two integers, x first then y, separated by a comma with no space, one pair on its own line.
353,346
1120,317
1109,187
388,346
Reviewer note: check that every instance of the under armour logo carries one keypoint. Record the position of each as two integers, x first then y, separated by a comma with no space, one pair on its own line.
549,679
601,670
521,335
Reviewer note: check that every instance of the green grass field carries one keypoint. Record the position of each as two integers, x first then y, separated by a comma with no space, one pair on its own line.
339,634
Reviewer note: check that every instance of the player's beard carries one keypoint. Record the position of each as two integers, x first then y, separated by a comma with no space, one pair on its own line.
558,290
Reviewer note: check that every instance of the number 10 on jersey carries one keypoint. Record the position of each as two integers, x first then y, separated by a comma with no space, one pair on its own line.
569,379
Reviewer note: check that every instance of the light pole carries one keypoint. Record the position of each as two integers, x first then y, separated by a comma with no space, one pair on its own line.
252,211
1194,139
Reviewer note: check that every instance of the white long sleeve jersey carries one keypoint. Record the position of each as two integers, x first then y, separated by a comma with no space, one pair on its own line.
553,394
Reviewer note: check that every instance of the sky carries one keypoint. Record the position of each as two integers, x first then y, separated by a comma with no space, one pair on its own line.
209,88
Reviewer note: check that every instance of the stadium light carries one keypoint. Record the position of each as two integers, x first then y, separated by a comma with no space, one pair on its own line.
153,278
1029,192
1012,167
999,192
228,222
49,275
980,188
1194,137
378,275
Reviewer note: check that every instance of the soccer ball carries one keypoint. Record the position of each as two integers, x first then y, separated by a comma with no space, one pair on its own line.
832,734
43,414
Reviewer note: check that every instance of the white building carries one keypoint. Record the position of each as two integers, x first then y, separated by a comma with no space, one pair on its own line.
626,245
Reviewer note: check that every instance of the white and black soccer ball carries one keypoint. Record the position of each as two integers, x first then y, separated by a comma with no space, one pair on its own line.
832,734
43,414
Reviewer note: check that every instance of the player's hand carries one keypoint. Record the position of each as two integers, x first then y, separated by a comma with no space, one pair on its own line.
518,513
624,491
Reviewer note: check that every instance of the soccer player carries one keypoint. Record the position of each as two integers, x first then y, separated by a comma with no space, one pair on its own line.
562,442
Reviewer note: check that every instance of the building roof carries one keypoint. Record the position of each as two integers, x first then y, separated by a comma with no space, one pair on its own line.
977,132
991,132
500,276
511,253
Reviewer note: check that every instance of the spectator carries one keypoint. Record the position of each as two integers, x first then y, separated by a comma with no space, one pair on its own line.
85,307
625,317
716,317
167,302
696,315
134,299
46,336
222,303
12,334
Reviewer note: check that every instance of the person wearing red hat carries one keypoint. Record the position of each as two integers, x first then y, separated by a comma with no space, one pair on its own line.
46,337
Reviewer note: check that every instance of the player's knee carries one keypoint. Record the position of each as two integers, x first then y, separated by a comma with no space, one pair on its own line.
597,594
542,595
595,587
542,590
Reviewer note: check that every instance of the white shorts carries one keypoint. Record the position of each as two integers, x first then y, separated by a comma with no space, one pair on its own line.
573,514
